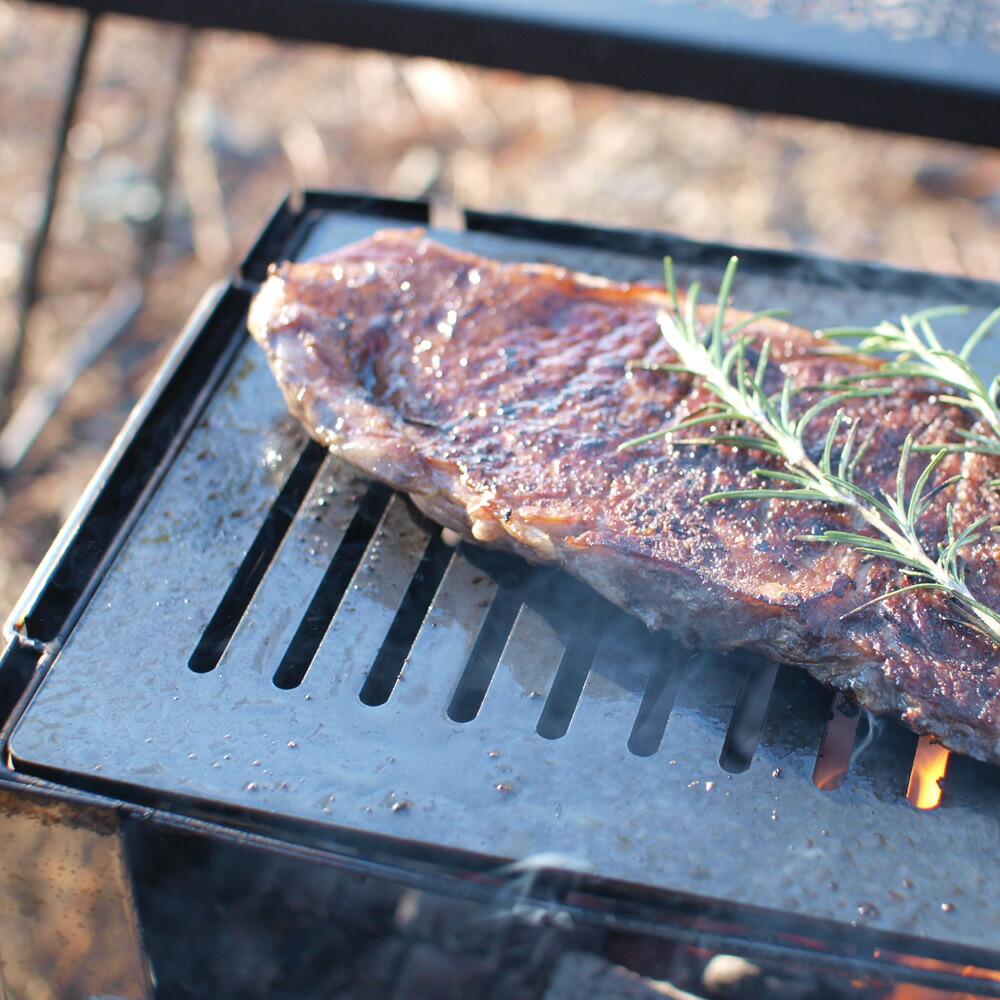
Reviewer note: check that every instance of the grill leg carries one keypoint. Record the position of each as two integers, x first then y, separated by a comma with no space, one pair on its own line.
28,291
20,428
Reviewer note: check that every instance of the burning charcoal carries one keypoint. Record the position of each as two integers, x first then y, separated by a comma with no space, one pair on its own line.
511,931
513,944
454,924
582,976
731,976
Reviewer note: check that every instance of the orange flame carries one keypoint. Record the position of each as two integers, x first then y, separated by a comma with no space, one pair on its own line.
930,763
910,991
837,745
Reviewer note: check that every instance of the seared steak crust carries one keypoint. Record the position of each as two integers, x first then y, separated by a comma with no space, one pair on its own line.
496,396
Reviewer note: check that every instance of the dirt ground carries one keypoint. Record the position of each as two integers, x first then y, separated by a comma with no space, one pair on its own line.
258,118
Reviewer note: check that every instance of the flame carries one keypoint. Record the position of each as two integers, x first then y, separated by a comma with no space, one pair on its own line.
930,763
911,991
837,745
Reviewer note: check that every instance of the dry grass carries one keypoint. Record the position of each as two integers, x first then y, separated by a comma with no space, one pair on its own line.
261,117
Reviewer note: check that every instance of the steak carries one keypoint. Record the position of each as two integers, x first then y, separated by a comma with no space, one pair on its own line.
496,396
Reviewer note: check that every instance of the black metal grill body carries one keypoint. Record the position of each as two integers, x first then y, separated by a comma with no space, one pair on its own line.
237,639
929,68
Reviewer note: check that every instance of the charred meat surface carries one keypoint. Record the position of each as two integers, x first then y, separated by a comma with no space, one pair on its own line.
497,396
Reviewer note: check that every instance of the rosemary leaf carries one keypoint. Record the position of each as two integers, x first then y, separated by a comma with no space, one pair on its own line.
918,353
765,494
718,356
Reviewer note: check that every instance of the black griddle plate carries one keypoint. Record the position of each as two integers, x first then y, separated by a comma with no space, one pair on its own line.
582,741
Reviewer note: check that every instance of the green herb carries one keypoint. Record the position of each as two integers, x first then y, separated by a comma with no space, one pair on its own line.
920,354
718,356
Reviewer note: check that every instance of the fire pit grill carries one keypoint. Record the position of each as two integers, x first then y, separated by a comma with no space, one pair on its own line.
251,634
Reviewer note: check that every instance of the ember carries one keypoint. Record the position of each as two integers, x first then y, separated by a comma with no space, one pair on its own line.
912,991
930,763
837,745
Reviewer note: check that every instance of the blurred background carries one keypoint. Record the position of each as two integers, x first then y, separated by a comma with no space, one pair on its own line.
258,118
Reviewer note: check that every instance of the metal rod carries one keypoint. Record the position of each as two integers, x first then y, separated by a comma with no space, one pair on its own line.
20,428
28,291
40,402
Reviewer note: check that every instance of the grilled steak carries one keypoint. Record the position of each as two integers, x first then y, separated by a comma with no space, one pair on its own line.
497,395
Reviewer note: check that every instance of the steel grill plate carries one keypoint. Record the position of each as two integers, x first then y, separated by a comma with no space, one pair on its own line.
366,741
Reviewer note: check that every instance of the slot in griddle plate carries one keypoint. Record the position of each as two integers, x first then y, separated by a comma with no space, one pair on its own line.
422,635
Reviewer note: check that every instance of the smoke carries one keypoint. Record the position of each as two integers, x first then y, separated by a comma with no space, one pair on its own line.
873,725
519,898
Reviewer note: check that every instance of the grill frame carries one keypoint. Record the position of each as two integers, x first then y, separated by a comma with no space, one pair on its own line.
143,457
791,61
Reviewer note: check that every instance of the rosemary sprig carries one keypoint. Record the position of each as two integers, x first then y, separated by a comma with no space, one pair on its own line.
718,356
920,354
